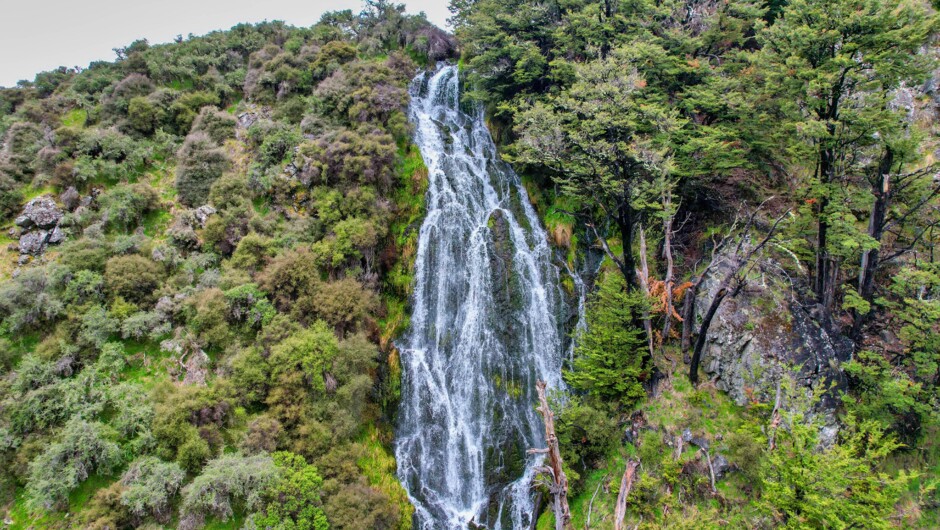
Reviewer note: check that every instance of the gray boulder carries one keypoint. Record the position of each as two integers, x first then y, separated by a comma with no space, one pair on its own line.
56,236
202,214
720,466
41,211
34,243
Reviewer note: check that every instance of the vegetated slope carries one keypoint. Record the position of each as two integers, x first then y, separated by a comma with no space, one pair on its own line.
762,179
207,248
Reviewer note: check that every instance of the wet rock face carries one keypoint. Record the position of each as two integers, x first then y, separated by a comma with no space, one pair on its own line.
764,334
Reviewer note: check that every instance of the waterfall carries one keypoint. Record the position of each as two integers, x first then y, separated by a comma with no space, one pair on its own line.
487,323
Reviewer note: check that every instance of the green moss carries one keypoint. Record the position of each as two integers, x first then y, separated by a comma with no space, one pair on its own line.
379,467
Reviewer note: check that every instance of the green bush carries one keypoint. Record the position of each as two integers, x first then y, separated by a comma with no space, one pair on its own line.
201,162
219,125
134,278
227,481
149,486
125,205
11,196
609,358
83,448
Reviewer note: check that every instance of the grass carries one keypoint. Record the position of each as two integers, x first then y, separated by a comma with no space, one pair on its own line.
145,363
378,465
25,518
75,118
705,411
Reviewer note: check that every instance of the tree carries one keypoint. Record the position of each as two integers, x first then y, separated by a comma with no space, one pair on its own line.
133,277
603,140
149,485
312,351
225,481
609,358
124,206
833,65
804,486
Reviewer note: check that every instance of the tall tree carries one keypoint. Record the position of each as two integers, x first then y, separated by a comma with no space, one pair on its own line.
831,65
605,139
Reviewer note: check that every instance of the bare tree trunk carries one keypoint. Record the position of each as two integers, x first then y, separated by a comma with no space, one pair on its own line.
669,280
688,316
626,484
559,481
711,470
703,331
644,277
881,188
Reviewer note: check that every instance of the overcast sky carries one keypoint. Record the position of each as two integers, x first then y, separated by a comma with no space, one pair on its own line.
39,35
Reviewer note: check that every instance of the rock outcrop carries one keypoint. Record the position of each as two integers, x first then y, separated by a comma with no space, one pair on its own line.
765,334
39,224
40,212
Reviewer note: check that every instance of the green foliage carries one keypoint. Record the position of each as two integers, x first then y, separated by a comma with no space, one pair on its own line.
609,359
29,300
293,502
149,485
587,431
82,448
132,277
311,351
201,162
838,487
225,481
125,205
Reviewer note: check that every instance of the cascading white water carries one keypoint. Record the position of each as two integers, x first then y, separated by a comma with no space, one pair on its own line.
486,325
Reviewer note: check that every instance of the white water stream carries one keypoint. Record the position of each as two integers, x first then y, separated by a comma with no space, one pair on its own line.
488,318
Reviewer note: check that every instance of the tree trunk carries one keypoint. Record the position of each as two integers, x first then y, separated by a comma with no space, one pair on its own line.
876,224
688,315
626,484
669,280
827,166
559,481
703,333
625,224
644,277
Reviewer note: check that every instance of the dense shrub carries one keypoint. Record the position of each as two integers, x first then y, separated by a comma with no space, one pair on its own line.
293,500
149,486
29,300
125,205
201,162
218,125
347,158
21,145
133,277
11,196
82,449
225,481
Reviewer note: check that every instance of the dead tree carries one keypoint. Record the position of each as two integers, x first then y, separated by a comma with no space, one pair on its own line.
670,279
733,282
688,306
558,485
884,220
626,484
643,274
